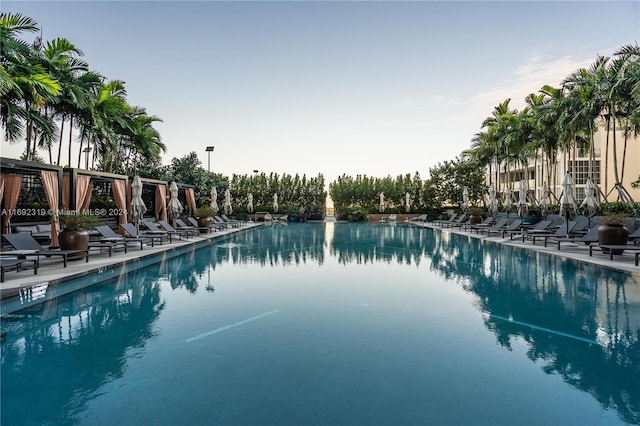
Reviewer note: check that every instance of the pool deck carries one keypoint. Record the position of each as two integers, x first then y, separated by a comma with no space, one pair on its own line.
52,272
575,251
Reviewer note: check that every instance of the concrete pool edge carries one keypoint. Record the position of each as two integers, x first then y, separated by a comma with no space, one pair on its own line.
51,279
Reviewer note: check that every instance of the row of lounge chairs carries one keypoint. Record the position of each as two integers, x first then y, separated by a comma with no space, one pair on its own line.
26,250
553,230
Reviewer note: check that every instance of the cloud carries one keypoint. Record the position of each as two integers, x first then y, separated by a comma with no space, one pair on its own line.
539,69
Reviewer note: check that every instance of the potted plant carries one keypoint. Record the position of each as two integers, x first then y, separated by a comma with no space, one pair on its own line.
204,214
475,215
613,232
75,230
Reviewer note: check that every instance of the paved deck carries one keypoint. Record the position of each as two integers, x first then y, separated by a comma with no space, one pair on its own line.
578,252
51,271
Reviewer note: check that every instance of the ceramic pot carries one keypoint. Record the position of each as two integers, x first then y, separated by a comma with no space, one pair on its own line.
204,222
74,240
612,235
474,219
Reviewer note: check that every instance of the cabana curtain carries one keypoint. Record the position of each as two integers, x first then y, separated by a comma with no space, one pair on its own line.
50,184
83,192
161,202
11,193
191,200
120,197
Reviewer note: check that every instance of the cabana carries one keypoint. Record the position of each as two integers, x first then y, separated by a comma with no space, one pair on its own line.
30,194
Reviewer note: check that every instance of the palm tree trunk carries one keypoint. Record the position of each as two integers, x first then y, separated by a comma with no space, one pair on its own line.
606,160
615,153
79,151
60,141
70,132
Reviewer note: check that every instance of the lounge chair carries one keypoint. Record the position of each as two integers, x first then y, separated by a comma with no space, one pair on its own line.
421,218
153,229
563,231
111,246
218,221
485,223
212,225
6,263
173,231
612,249
456,222
540,227
589,238
109,235
225,219
195,230
500,224
441,222
239,222
24,241
131,230
635,236
514,226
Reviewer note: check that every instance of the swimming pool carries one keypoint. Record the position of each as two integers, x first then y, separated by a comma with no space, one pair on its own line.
333,324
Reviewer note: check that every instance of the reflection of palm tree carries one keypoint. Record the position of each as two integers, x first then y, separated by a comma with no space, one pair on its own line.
71,342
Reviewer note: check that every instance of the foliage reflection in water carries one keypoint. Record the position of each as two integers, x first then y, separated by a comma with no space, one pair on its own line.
124,350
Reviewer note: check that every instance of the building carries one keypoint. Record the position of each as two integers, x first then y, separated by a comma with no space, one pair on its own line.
577,163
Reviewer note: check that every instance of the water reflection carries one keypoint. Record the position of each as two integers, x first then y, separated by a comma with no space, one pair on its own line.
56,343
553,306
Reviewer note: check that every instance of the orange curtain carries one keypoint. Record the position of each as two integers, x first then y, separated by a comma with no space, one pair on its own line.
66,190
50,184
83,192
161,202
11,192
120,197
191,200
1,187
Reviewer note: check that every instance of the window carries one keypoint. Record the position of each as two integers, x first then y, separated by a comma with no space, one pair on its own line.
581,172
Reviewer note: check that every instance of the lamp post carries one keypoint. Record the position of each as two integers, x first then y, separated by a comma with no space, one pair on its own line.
209,150
86,151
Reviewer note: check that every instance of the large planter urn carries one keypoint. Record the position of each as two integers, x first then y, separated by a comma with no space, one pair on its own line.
474,219
204,222
74,240
612,234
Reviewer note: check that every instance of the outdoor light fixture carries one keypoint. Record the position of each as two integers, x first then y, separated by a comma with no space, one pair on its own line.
86,157
209,150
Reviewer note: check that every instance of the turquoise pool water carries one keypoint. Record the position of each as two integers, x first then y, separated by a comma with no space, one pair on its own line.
332,324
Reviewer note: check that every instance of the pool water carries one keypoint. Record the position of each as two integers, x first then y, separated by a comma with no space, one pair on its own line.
332,324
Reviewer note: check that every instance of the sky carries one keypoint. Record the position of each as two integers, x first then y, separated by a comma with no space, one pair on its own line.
380,88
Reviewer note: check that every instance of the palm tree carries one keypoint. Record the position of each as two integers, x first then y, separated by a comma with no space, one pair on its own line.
25,85
498,126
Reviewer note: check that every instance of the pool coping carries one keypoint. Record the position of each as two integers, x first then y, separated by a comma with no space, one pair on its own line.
578,253
51,279
20,293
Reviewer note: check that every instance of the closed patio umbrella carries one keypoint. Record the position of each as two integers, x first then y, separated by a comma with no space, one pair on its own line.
523,208
227,202
250,203
567,202
465,199
275,203
214,200
174,208
544,200
407,202
137,208
493,202
590,205
507,199
381,205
